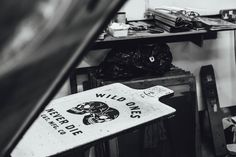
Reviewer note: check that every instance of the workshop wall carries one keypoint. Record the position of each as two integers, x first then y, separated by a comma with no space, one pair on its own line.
219,52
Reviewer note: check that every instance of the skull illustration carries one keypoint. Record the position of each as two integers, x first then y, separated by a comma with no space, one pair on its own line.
96,112
106,116
89,107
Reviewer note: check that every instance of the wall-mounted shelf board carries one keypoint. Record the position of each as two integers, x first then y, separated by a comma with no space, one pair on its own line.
195,36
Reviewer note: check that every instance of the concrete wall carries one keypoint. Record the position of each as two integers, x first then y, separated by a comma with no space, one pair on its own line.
219,52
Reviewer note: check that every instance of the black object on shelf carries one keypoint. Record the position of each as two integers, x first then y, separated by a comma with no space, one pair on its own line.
125,63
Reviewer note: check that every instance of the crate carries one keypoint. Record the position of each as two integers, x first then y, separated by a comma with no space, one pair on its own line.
175,137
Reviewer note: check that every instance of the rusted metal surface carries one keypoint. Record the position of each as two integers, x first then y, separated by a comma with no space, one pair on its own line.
41,41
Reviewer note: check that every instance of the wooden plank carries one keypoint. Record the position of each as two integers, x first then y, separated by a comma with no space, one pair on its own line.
215,115
148,38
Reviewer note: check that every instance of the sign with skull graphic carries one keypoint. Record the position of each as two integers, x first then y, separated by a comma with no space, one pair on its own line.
82,118
99,112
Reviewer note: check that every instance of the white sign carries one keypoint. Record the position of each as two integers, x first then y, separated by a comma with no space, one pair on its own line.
78,119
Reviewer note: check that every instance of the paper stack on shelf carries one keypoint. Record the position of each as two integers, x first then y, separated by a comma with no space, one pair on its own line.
216,23
118,29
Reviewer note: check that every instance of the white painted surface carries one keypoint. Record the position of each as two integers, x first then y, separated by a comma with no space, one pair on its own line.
217,52
75,125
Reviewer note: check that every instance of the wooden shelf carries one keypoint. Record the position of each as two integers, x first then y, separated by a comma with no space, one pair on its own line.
195,36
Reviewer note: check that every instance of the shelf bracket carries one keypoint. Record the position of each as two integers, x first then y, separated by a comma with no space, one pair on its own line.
198,40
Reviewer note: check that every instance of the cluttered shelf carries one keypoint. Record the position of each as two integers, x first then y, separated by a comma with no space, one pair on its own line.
163,27
195,36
